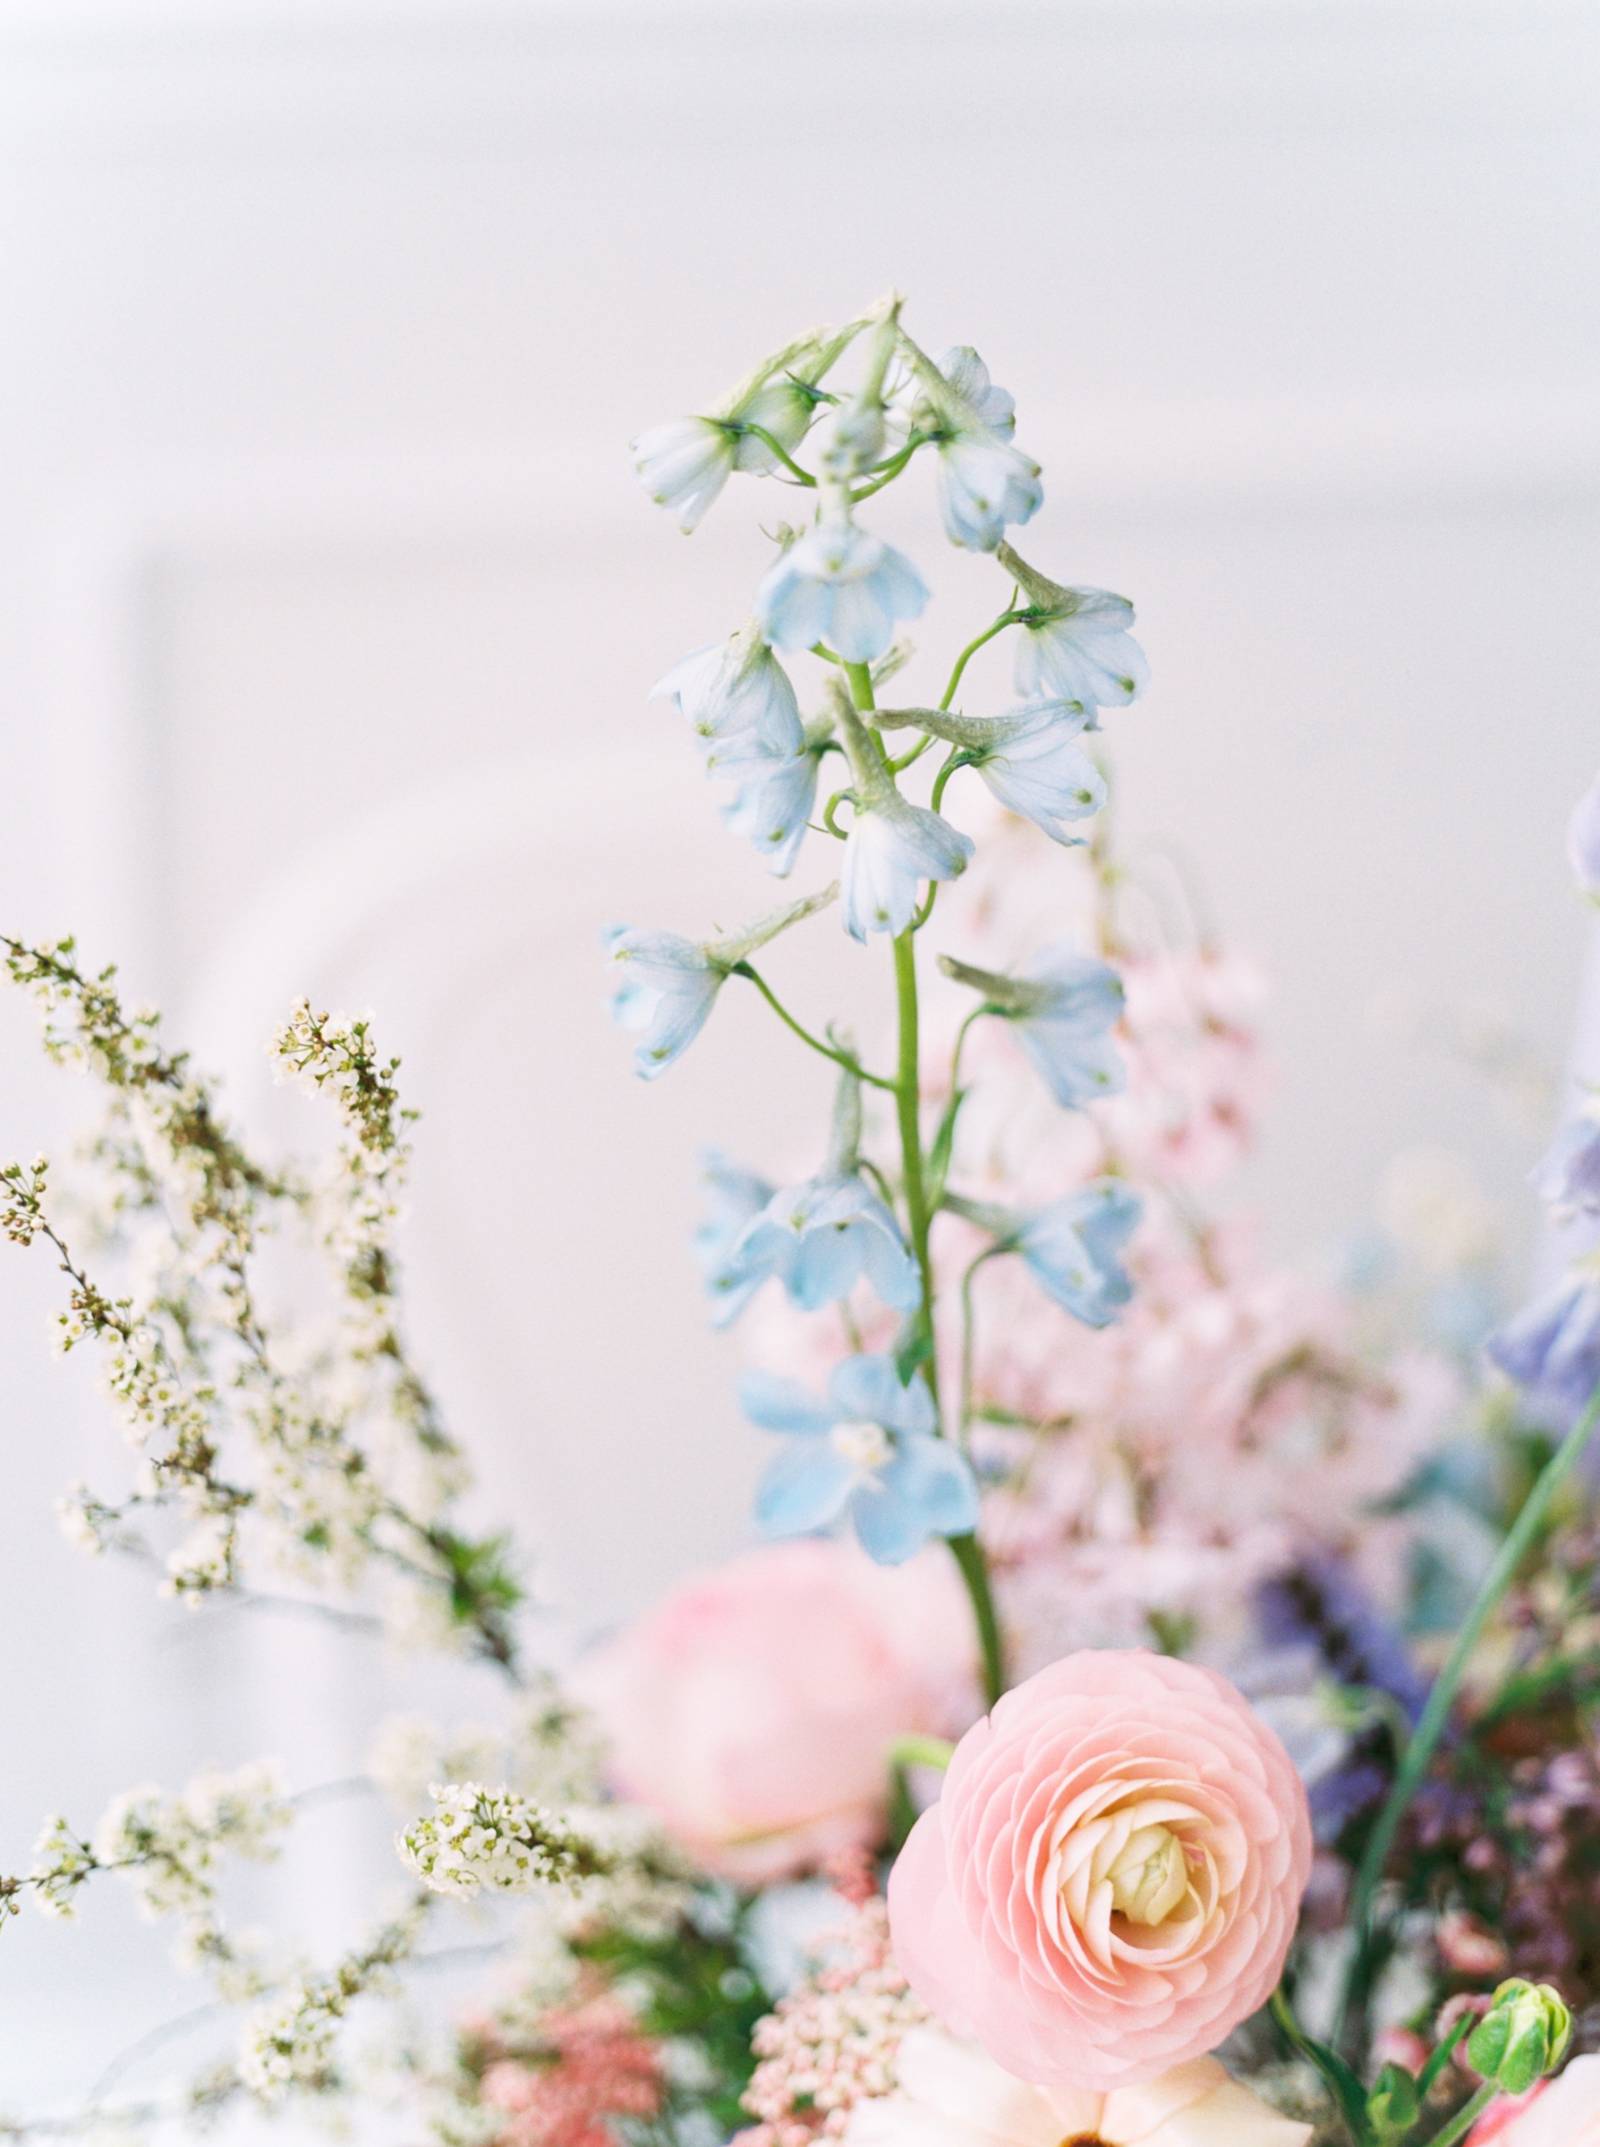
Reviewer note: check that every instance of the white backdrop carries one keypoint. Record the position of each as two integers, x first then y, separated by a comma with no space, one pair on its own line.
328,605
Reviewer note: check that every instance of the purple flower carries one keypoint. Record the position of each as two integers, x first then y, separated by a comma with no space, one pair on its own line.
1552,1350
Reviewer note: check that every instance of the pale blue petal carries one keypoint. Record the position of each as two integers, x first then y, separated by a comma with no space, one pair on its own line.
887,1262
860,619
803,1488
777,1404
1076,1069
865,1390
826,1265
927,1490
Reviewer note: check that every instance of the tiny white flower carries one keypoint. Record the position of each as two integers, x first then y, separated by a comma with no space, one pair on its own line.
734,690
1075,644
893,845
985,485
840,585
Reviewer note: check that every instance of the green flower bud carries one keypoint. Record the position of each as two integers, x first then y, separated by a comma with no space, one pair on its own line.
1523,2036
1394,2104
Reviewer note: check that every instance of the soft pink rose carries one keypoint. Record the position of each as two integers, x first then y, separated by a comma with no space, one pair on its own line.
951,2095
754,1708
1562,2113
1110,1879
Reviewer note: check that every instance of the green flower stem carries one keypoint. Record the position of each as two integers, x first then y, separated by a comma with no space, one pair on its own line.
760,432
908,760
1430,1729
828,1051
907,1085
958,759
890,471
968,1332
1443,2053
1006,618
921,1752
1464,2120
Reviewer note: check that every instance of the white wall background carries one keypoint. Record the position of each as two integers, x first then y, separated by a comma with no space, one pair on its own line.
328,604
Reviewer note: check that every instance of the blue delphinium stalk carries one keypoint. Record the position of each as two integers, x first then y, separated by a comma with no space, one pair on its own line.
870,1449
885,1445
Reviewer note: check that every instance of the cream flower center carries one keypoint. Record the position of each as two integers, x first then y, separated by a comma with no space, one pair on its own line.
864,1446
1150,1878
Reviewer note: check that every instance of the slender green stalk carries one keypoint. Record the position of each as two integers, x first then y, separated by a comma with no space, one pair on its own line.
760,432
1006,618
966,1550
1435,1719
828,1051
890,471
921,1752
1464,2120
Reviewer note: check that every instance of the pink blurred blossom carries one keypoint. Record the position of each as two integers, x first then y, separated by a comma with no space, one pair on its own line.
753,1709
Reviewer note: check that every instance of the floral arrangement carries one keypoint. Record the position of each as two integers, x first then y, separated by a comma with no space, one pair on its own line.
1165,1709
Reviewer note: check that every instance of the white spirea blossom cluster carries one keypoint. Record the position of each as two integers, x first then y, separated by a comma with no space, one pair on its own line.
292,2041
546,1748
477,1840
166,1848
313,1448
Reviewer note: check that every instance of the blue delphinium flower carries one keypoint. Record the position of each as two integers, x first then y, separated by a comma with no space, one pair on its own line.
840,585
667,985
1552,1349
821,1238
1063,1009
1073,1249
734,692
892,847
869,1449
1568,1178
969,376
774,792
685,463
1074,644
734,1197
1035,766
985,482
746,721
1029,757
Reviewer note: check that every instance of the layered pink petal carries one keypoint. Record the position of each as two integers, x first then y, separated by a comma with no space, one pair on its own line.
1022,1908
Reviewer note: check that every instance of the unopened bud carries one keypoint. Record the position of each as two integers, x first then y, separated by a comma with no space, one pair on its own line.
1523,2036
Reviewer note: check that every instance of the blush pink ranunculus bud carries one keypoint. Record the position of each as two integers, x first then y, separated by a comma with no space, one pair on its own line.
1564,2112
951,2095
1110,1880
754,1708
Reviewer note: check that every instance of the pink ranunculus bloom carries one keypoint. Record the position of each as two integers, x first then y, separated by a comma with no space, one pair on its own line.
1111,1877
1564,2112
951,2095
754,1708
